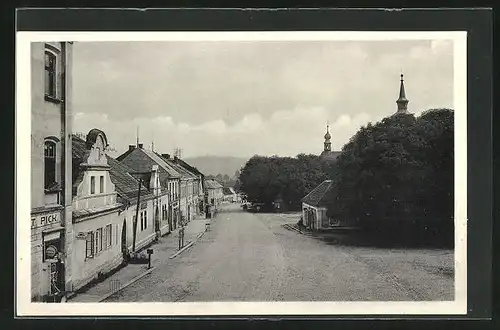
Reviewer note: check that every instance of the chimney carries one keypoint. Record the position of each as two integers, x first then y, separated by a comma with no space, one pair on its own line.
131,147
167,156
140,145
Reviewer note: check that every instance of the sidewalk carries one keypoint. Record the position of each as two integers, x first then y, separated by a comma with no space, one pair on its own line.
167,246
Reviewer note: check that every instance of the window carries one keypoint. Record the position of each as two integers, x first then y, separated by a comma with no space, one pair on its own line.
50,74
107,237
145,219
101,184
50,163
142,221
98,240
92,185
89,245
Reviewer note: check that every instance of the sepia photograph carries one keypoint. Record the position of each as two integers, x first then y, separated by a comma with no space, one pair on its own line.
232,169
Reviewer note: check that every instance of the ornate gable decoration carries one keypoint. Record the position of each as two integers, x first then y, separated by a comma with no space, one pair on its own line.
97,145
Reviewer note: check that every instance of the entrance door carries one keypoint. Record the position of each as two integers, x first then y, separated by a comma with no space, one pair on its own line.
157,219
56,278
169,216
124,236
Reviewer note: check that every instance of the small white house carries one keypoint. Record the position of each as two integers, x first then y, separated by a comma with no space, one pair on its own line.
314,209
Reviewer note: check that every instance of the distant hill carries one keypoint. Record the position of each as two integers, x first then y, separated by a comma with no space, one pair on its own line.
217,164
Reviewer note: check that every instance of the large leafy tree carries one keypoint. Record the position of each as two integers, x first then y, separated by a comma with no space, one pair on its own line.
397,172
265,179
436,128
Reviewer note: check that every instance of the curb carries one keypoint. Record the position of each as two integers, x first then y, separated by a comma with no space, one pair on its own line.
135,279
293,228
189,244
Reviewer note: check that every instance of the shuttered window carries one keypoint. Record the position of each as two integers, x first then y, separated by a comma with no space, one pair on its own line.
89,245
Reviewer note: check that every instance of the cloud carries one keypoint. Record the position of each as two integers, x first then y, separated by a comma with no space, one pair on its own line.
245,98
287,133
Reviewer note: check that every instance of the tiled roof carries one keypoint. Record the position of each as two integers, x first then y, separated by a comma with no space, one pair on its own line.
212,184
141,160
125,184
186,174
79,153
317,196
162,163
189,167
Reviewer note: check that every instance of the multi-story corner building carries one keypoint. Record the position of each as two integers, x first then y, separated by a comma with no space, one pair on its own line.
51,118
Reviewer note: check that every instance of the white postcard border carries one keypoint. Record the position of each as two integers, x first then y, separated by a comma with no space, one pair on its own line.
24,306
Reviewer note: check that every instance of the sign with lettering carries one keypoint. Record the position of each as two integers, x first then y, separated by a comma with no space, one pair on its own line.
45,219
50,252
144,205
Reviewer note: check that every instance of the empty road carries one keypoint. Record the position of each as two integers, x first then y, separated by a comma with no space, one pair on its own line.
252,257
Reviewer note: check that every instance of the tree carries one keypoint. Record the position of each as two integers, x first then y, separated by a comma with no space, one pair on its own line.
398,172
218,177
437,131
225,178
266,179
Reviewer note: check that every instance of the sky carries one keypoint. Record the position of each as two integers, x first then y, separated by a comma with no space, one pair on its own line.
237,98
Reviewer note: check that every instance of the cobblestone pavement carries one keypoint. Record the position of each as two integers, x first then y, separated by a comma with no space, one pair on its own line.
167,246
252,257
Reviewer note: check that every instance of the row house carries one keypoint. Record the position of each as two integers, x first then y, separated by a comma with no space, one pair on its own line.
166,179
110,202
214,193
199,184
189,186
144,204
51,118
95,211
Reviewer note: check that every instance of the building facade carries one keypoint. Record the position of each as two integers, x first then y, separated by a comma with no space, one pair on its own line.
314,208
166,179
51,118
214,193
96,210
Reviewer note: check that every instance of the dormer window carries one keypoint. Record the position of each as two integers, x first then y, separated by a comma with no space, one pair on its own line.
50,74
50,163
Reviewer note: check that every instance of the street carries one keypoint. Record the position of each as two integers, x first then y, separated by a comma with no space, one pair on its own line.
252,257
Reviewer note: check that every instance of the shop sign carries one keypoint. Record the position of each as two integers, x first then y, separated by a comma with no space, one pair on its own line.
50,252
45,219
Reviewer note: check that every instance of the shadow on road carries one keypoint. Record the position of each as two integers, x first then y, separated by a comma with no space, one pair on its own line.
392,240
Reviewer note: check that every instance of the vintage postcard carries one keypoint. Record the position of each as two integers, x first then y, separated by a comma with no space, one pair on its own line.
241,173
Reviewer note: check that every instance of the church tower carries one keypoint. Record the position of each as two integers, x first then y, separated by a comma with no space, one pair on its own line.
402,101
327,144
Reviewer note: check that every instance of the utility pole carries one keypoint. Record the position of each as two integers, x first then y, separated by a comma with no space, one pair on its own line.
136,214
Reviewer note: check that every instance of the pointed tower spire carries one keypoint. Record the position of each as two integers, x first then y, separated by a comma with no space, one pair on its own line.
402,101
327,143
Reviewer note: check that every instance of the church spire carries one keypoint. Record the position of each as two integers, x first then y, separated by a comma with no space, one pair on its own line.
402,101
327,143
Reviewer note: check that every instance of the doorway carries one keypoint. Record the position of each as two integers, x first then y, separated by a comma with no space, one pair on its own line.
157,219
124,238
